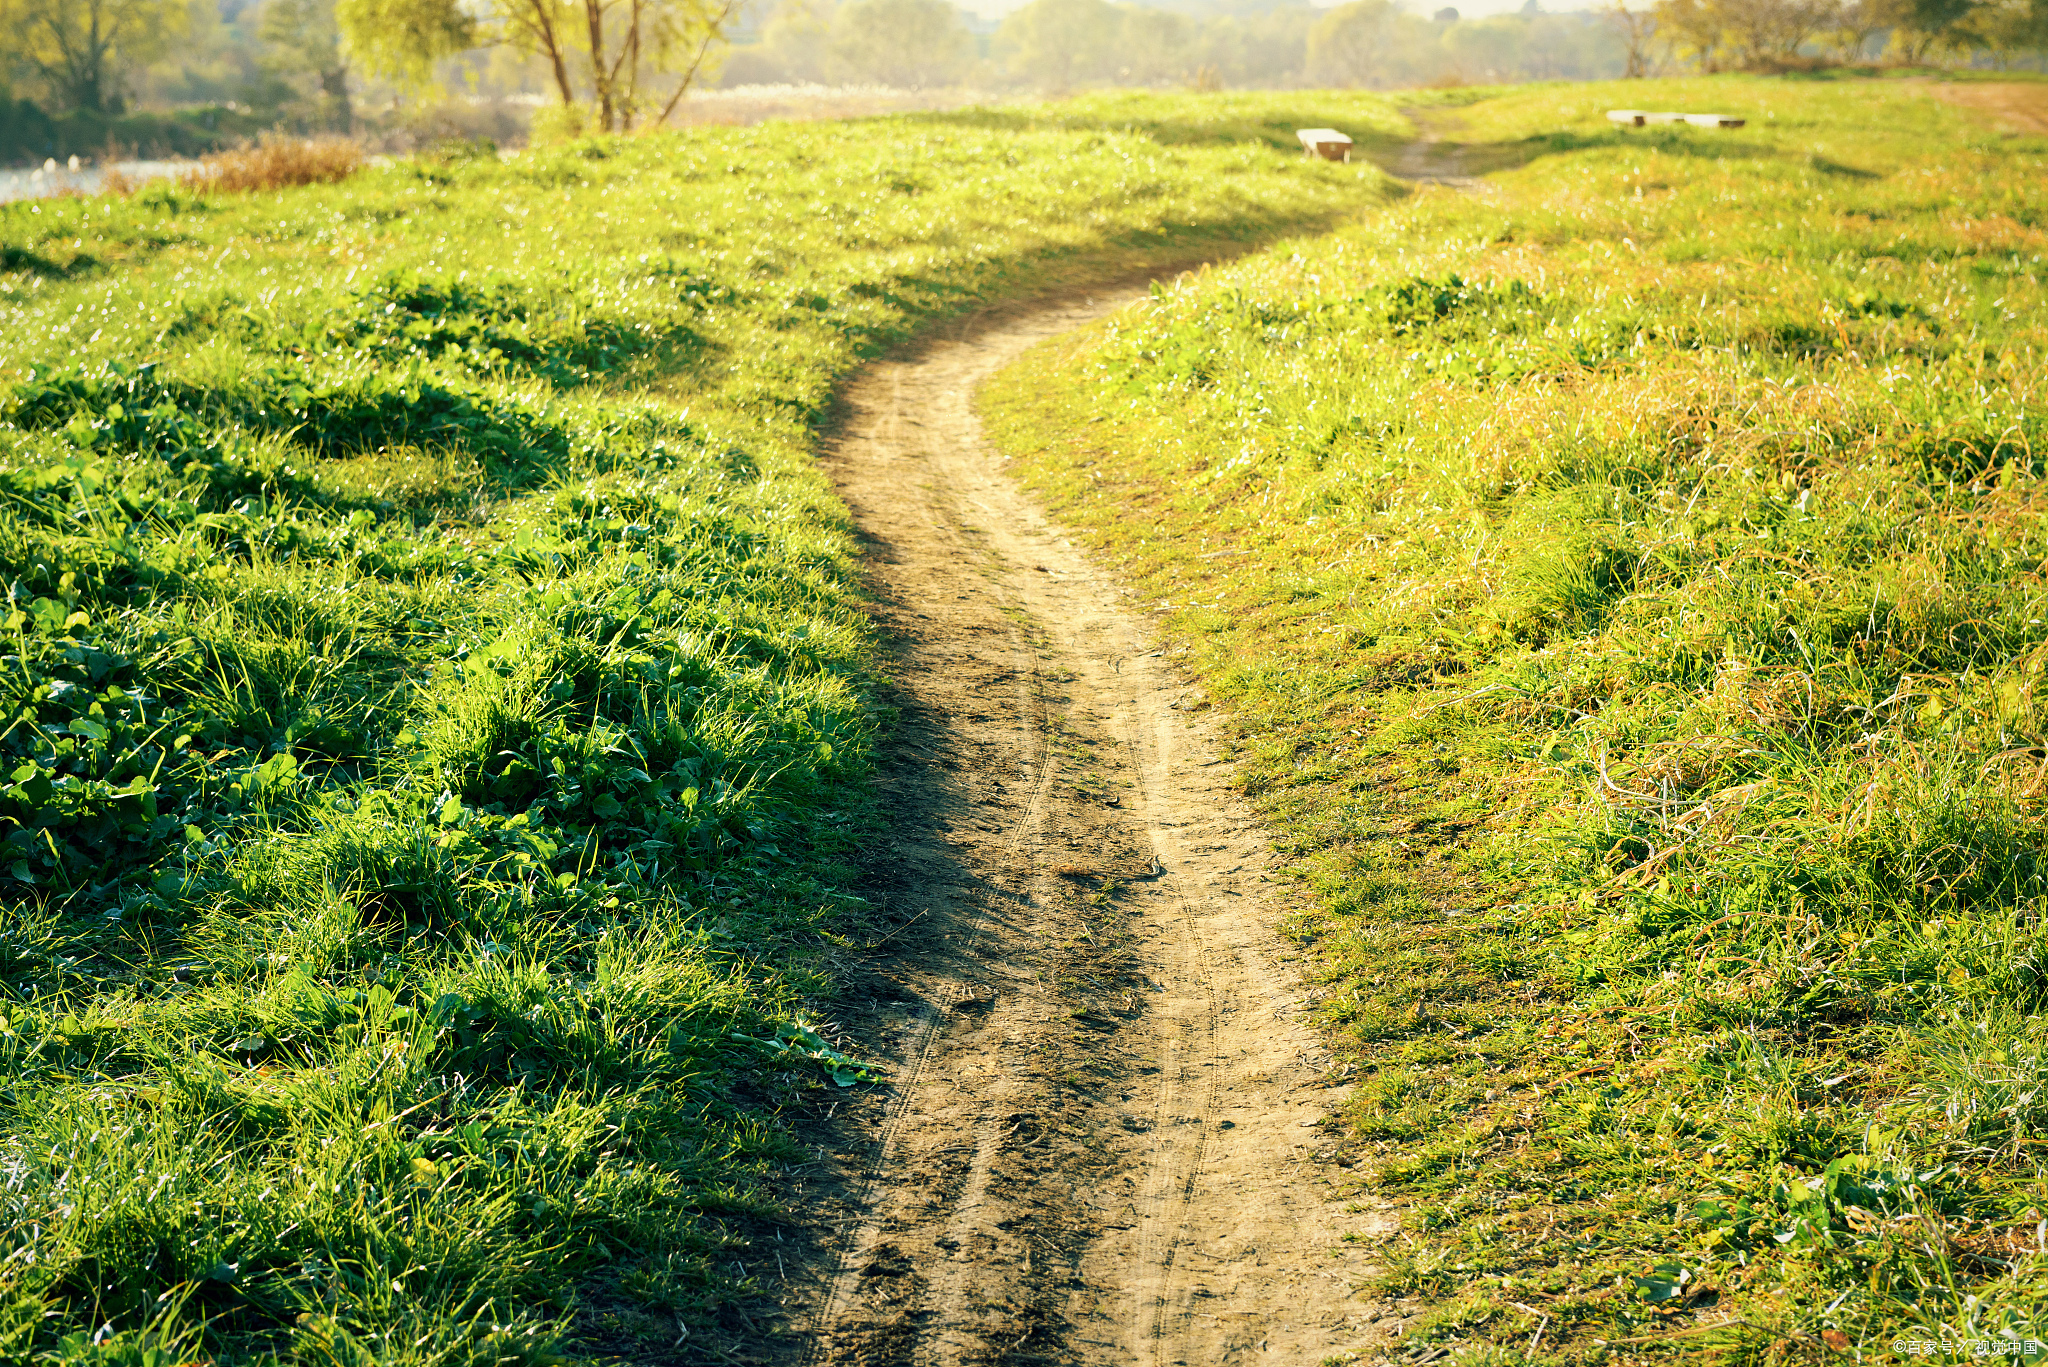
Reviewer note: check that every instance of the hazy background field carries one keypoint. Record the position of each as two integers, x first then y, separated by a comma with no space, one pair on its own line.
185,77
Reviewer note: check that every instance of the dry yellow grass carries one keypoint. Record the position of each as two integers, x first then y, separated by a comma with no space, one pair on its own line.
277,162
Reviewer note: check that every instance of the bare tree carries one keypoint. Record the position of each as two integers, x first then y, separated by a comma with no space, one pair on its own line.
623,48
1638,30
618,51
538,26
696,43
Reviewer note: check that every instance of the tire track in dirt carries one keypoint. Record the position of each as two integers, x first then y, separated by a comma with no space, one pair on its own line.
1102,1141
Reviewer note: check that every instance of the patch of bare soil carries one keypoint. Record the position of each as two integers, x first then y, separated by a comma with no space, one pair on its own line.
2017,106
1436,160
1104,1142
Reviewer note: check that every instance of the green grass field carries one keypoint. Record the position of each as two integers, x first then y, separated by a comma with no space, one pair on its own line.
437,706
1627,585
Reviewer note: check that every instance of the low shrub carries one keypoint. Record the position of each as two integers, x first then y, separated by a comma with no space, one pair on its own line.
275,162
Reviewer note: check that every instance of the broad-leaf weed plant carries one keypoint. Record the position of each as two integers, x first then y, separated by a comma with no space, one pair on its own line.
1625,577
437,707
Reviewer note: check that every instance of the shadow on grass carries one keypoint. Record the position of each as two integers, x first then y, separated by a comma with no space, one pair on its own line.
24,260
1481,158
1275,131
1828,167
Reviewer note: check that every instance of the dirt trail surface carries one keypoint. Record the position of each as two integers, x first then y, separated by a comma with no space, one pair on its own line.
1434,159
2018,106
1103,1142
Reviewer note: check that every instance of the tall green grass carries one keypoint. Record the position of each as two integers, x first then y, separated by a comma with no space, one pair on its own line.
437,711
1627,582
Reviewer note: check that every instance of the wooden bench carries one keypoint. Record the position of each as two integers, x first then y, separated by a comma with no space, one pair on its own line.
1636,118
1326,143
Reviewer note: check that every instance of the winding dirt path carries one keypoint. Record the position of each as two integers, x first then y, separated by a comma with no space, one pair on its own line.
1103,1141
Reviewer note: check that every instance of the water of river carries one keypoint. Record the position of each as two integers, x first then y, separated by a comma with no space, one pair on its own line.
56,178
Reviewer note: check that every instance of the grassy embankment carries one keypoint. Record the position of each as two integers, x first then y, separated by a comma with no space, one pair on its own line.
436,713
1628,586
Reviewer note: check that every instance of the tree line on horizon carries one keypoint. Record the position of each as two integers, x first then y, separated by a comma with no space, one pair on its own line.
1059,45
620,65
1782,35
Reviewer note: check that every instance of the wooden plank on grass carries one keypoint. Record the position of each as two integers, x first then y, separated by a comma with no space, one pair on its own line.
1636,118
1327,143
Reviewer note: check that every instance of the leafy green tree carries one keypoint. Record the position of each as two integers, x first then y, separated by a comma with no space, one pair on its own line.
1854,24
910,44
1057,43
303,40
1371,43
2008,28
1920,26
1750,35
798,39
401,40
1155,46
82,49
1694,30
1259,48
1759,33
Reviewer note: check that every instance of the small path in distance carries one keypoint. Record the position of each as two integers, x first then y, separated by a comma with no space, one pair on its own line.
1434,158
1105,1140
2021,106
